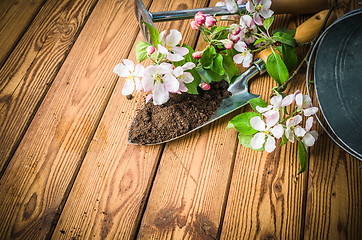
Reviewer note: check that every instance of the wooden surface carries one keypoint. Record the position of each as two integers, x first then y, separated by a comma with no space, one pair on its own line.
68,172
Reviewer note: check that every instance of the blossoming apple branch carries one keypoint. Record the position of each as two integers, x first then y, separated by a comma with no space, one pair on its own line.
179,69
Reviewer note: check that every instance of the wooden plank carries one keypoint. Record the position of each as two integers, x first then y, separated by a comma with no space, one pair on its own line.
334,197
266,196
32,66
115,178
37,181
188,194
15,17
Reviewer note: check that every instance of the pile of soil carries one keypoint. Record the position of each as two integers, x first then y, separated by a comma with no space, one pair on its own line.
180,114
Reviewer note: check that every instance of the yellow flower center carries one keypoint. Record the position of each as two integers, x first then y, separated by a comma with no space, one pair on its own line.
258,7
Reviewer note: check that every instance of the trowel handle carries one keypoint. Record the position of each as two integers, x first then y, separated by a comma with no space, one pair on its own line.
298,6
306,32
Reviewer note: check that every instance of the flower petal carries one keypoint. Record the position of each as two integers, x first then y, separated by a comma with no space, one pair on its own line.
188,66
257,123
310,111
297,119
240,46
263,110
162,37
272,117
288,100
128,87
257,19
276,101
277,131
314,133
160,94
289,134
258,140
309,124
162,49
149,97
299,131
121,70
174,57
299,100
266,13
180,50
238,58
129,64
187,77
308,140
178,71
139,70
247,59
307,101
138,84
270,144
183,87
170,83
173,38
250,7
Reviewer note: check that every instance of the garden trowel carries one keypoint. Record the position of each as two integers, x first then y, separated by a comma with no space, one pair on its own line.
240,95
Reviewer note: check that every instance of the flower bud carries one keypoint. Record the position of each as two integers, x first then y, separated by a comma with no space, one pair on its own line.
195,25
200,18
228,44
205,86
197,55
234,38
235,29
210,21
150,50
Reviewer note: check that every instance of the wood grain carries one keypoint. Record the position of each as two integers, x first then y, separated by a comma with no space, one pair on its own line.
113,196
37,181
32,66
334,197
15,17
266,196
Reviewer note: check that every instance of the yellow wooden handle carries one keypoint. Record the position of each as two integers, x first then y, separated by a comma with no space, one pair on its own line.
299,6
306,32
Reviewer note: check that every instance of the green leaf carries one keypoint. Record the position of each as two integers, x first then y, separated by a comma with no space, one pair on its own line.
188,57
192,86
302,156
217,66
276,68
289,56
141,51
257,102
230,68
154,34
284,141
220,32
245,140
208,57
268,22
285,30
242,123
259,41
284,38
208,75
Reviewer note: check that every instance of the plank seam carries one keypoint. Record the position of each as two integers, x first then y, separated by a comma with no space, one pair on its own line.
49,84
21,35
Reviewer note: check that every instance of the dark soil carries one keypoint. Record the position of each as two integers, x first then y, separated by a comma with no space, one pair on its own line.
182,113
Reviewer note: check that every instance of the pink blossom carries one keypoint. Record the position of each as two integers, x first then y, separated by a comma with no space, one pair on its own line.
293,128
210,21
168,46
245,57
248,29
197,55
304,103
132,74
228,44
182,76
195,25
259,8
311,136
200,18
266,134
205,86
150,50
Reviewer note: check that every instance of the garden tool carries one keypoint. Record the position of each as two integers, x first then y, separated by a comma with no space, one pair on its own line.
278,6
240,95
